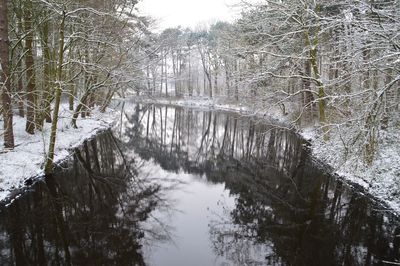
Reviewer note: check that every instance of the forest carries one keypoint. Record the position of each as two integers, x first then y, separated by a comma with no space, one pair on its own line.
332,67
78,52
269,139
335,63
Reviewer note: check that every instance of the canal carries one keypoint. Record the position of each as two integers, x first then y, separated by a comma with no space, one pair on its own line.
181,187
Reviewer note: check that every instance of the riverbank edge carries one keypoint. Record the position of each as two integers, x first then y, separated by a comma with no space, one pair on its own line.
309,134
100,122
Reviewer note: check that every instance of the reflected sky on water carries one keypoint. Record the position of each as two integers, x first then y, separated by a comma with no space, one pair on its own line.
176,186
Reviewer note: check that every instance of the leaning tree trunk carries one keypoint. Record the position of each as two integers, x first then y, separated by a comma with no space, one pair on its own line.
50,157
6,98
106,102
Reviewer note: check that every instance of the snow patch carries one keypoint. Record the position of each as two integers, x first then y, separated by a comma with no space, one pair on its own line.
27,159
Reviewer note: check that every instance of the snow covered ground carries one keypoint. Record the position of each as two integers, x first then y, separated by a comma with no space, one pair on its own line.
272,112
27,159
381,179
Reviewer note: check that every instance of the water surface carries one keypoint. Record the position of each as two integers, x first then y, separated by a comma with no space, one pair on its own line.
175,186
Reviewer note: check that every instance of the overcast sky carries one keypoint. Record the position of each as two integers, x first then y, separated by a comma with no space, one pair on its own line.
187,13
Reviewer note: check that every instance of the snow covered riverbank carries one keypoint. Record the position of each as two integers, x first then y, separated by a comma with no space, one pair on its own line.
26,160
381,179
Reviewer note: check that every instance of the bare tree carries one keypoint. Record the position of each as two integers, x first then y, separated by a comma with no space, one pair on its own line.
5,78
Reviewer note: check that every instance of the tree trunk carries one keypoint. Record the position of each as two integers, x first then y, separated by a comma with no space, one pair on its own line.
237,69
80,107
227,78
20,95
107,101
174,71
206,70
19,74
30,69
190,87
162,73
308,97
50,157
148,78
313,46
166,76
47,97
6,97
71,94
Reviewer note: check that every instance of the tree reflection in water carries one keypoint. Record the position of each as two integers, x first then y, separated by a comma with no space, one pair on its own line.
287,210
89,214
99,208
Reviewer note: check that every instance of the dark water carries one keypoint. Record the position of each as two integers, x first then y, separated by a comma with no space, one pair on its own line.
174,186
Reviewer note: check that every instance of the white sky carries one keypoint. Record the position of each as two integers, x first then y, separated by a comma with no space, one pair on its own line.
187,13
